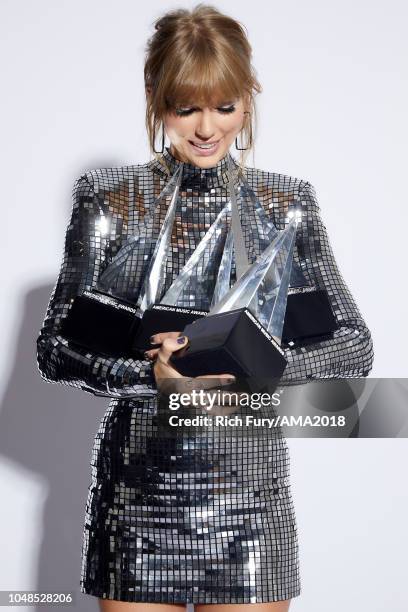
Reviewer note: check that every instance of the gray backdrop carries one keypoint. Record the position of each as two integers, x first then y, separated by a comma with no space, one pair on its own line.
333,112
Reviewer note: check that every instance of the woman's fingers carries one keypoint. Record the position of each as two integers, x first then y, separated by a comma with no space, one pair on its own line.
158,338
169,346
169,377
151,354
227,377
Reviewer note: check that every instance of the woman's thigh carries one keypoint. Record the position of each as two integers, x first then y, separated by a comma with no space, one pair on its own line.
112,605
273,606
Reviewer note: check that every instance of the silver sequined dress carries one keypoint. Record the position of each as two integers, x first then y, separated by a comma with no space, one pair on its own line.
177,523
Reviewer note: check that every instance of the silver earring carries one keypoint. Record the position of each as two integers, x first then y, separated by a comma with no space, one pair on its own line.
249,145
154,139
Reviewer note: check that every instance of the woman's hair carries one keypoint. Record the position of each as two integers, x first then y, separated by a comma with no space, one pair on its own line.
198,56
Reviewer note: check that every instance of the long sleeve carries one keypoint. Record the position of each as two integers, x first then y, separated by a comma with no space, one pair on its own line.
349,354
60,361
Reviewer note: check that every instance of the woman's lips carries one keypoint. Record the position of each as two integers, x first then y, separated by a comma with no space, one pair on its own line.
204,152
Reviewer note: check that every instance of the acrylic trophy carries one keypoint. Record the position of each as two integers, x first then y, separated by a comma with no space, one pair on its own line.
105,317
241,334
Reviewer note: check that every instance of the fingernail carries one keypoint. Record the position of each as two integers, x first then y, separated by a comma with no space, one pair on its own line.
181,339
151,339
147,356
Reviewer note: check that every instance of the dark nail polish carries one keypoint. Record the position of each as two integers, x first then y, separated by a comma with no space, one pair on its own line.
181,339
151,339
147,356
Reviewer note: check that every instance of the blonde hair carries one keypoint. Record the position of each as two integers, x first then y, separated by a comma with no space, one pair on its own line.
200,55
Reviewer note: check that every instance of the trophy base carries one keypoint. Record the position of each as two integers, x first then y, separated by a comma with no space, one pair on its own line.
101,323
163,318
231,342
309,317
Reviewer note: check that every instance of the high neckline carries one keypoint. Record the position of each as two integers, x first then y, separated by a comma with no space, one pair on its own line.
193,176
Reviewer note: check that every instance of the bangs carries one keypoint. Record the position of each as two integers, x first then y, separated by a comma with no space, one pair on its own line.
204,81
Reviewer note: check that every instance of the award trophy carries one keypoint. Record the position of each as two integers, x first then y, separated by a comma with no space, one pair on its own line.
173,311
241,333
105,318
309,315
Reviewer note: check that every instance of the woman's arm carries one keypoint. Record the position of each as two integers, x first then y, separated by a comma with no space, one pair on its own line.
349,353
60,361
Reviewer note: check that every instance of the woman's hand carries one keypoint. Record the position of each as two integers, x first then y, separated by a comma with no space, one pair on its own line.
168,379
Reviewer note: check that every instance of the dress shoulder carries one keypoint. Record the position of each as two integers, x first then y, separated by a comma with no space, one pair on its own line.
106,177
275,180
281,193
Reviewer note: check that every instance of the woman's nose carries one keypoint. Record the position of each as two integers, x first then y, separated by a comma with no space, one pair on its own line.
205,125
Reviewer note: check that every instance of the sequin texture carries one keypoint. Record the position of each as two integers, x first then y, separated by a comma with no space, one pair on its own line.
188,520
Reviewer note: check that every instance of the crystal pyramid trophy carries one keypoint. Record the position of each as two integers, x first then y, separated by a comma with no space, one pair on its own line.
241,334
175,309
309,315
105,317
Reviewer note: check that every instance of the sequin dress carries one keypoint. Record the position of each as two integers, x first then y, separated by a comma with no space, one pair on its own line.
179,523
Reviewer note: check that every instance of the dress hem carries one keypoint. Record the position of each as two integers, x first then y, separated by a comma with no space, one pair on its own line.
195,600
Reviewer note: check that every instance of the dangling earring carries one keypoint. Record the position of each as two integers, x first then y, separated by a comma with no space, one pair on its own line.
154,139
249,145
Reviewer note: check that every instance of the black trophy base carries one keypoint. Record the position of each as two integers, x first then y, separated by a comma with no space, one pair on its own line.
231,342
101,323
112,326
163,318
309,318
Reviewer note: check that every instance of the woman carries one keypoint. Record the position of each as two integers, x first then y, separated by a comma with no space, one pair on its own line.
158,530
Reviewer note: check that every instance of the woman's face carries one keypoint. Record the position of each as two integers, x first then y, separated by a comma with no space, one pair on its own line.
188,127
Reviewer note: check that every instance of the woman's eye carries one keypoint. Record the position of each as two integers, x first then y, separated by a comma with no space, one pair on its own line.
182,112
229,109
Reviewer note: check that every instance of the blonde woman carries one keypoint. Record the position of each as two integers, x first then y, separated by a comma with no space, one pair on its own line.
166,526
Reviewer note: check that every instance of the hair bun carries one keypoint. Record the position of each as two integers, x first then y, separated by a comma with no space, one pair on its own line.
159,23
173,15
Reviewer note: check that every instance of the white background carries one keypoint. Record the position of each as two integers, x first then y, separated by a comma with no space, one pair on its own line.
333,112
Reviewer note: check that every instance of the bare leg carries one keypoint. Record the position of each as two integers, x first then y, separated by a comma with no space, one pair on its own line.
113,605
273,606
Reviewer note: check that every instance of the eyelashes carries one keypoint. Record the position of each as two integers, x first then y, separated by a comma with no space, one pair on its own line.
180,112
